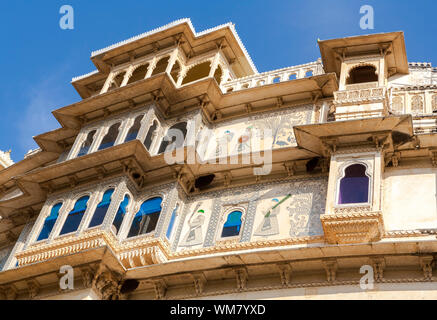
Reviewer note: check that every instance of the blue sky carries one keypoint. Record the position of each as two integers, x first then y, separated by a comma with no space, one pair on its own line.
39,58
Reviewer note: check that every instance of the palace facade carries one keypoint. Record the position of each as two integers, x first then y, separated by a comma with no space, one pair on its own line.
347,177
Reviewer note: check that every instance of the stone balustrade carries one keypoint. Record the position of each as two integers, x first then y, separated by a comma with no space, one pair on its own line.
360,95
275,76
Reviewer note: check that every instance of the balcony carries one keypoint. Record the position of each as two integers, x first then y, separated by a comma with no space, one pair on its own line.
353,225
141,252
361,103
286,74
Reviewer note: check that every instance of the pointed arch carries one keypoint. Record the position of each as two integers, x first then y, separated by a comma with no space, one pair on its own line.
101,209
197,72
169,139
150,134
161,65
121,213
110,137
49,222
139,73
232,226
134,129
354,186
174,73
86,145
146,218
75,216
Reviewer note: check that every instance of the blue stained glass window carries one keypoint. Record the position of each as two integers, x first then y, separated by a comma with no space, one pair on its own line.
75,216
146,218
232,225
172,221
86,145
102,208
354,187
148,140
133,131
49,222
109,139
121,212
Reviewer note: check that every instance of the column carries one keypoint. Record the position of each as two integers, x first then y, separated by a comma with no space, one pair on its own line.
172,60
127,75
152,67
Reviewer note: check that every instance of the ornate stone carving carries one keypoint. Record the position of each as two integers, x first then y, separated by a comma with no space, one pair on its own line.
10,292
241,277
378,264
87,276
417,104
199,281
160,288
285,270
33,288
331,267
426,262
353,227
398,104
107,284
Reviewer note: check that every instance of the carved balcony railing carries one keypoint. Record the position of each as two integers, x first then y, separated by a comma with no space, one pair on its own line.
275,76
145,251
359,96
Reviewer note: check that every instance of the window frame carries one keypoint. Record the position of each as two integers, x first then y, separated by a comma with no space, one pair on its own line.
342,174
135,208
224,218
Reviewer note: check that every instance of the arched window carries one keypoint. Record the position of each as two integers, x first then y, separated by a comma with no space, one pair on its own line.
133,131
172,222
86,145
354,186
119,216
174,73
362,74
75,216
218,74
197,72
182,127
292,76
49,222
416,104
398,104
116,82
102,208
139,73
161,65
146,218
232,225
109,139
149,137
276,80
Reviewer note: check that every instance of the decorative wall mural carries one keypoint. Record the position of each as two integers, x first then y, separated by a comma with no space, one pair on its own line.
194,236
304,215
282,125
269,225
273,210
223,143
243,142
239,134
